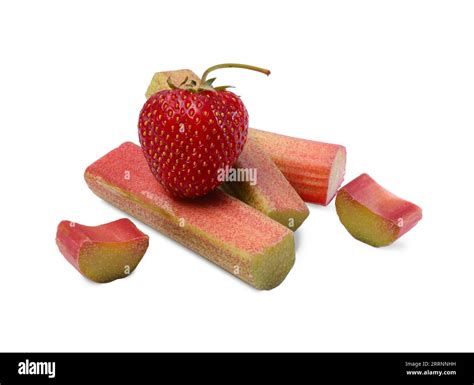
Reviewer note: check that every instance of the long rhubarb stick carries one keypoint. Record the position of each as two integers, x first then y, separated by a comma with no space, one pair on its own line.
314,169
374,215
221,228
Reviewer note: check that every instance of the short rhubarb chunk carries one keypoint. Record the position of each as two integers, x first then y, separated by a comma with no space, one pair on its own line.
374,215
102,253
235,236
160,80
269,192
314,169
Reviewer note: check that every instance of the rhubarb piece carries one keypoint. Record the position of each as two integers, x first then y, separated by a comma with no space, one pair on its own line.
269,192
374,215
159,81
314,169
102,253
221,228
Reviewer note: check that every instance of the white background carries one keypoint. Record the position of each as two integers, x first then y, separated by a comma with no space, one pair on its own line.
392,81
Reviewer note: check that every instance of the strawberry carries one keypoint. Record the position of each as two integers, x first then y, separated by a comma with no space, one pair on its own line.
191,131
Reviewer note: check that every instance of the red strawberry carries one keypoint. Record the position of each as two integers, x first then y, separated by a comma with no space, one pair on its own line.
192,131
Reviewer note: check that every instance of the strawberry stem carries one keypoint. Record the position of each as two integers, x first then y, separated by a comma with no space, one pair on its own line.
233,65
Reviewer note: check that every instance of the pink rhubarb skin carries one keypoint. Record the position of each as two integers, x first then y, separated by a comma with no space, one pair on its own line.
219,227
102,253
314,169
272,194
374,215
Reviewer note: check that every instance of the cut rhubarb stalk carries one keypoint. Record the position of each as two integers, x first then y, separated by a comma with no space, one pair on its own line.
221,228
269,192
314,169
102,253
372,214
159,81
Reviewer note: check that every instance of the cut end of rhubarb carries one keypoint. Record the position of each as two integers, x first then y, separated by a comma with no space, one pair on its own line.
373,215
336,174
102,253
159,82
270,268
